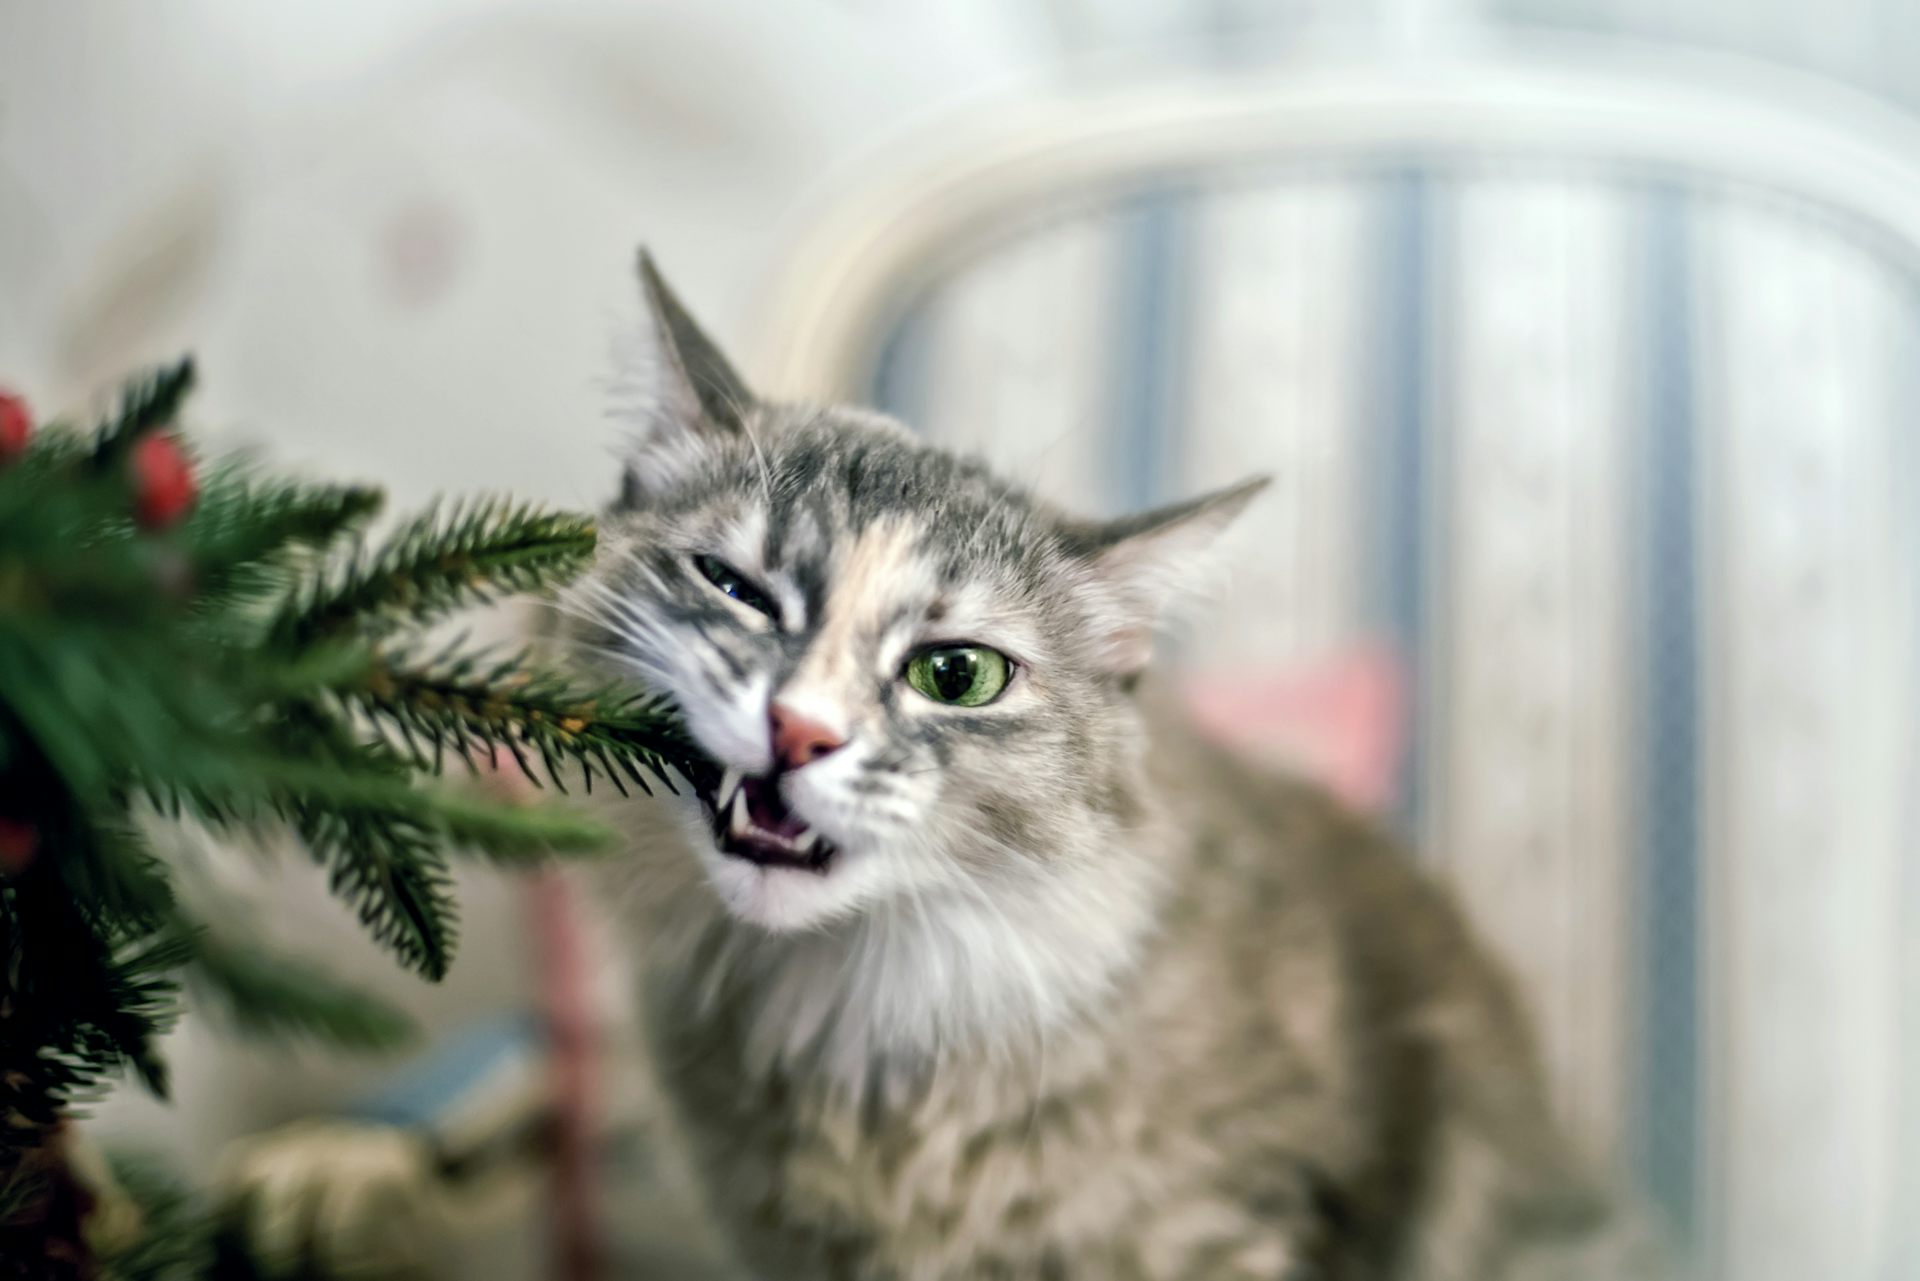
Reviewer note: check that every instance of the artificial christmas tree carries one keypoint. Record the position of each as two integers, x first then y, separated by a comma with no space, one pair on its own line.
180,641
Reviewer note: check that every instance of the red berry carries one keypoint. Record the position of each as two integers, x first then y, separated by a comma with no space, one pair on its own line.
18,841
16,424
164,487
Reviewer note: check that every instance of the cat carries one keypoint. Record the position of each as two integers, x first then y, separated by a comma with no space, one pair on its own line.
970,960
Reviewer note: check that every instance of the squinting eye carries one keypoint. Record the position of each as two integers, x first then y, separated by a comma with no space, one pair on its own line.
734,584
960,675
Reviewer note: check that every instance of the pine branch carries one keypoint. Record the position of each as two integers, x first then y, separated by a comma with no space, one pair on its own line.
237,664
512,835
146,403
67,552
354,806
243,530
276,679
88,1006
138,1002
647,725
114,880
389,862
389,868
436,564
178,1237
383,837
104,711
475,705
265,994
261,519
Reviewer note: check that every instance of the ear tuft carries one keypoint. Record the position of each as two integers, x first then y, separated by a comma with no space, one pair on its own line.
681,395
704,374
1143,564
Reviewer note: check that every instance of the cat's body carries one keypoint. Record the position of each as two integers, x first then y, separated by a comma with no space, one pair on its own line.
1035,986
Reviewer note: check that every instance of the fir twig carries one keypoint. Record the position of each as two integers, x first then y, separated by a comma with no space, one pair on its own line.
115,881
242,666
265,994
93,1007
178,1240
145,404
476,704
243,528
512,835
435,564
390,869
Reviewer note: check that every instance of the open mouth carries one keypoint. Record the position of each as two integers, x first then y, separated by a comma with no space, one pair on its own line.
752,821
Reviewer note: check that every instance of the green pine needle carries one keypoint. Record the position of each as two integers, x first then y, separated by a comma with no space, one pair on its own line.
146,403
115,881
243,528
264,994
85,1006
180,1237
390,869
438,563
255,666
474,705
515,835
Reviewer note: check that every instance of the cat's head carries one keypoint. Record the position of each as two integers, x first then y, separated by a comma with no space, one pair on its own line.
917,678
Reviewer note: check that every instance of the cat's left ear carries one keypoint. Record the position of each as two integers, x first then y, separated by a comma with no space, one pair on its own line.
1142,565
683,394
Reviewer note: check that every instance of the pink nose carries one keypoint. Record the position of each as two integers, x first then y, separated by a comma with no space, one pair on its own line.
798,741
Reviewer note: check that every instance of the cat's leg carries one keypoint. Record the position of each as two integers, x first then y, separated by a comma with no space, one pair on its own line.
1621,1247
1242,1252
1280,1231
1265,1257
1487,1217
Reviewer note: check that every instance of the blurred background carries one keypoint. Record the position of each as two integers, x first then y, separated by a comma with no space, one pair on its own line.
1581,337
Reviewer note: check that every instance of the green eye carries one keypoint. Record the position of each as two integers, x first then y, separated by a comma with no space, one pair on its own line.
960,675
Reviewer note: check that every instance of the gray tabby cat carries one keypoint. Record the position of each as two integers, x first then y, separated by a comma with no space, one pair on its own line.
971,961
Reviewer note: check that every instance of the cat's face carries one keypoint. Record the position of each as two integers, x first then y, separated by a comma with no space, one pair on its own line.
915,677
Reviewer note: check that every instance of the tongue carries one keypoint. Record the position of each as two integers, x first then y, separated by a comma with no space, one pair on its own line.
768,812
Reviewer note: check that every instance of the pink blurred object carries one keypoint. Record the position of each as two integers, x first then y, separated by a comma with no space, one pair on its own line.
560,949
572,1034
422,251
1340,720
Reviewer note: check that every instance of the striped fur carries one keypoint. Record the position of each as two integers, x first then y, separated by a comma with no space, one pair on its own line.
1078,997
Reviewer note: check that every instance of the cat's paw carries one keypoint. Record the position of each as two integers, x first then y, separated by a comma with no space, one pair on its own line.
1268,1257
332,1198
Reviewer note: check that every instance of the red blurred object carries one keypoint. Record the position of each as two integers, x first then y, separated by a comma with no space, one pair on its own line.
1341,720
16,425
164,485
18,842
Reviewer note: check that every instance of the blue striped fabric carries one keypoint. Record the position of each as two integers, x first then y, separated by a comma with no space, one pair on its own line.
1148,371
1665,793
1566,440
1409,549
495,1055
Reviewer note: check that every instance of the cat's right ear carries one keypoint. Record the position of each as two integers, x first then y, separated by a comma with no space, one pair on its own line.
1141,564
680,394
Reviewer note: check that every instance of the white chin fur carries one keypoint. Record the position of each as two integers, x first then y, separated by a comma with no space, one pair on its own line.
786,900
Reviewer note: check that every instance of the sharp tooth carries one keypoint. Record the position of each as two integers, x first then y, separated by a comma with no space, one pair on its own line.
729,784
740,820
808,839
